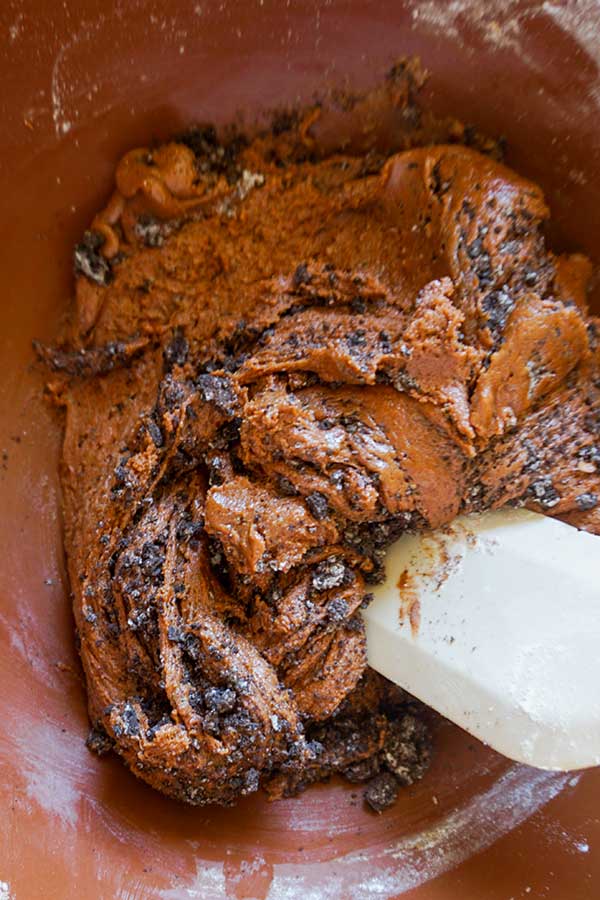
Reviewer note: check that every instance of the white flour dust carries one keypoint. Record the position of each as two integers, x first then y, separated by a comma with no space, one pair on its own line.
503,25
385,872
580,19
496,22
14,32
63,93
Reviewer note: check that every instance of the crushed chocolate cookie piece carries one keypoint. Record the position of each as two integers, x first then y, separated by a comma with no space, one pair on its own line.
544,492
285,486
95,361
150,231
302,275
131,723
329,574
88,260
214,156
176,351
406,752
337,611
318,505
251,782
497,307
589,460
218,390
99,742
382,792
222,700
361,771
155,433
586,502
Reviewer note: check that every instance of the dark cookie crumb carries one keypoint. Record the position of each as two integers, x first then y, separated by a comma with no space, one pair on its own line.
131,724
98,741
406,752
88,260
382,792
218,390
220,699
302,275
585,502
213,155
329,574
176,351
318,505
363,770
150,231
497,307
286,487
544,492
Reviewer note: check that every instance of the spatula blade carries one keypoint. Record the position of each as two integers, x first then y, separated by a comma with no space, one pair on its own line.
495,623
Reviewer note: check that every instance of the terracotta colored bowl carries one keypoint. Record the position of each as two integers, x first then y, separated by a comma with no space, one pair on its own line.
81,82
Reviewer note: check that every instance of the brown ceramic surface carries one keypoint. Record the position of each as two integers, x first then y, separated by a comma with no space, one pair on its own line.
81,83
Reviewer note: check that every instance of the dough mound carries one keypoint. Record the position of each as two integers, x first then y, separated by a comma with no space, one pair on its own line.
278,362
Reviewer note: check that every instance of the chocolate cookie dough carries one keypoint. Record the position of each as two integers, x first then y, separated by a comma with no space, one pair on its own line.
286,351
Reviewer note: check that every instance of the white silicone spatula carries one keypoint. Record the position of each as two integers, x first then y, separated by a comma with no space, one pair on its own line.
495,623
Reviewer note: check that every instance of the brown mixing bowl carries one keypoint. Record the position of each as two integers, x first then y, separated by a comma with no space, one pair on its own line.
81,83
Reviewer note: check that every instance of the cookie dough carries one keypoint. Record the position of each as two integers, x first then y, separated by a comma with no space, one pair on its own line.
281,358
